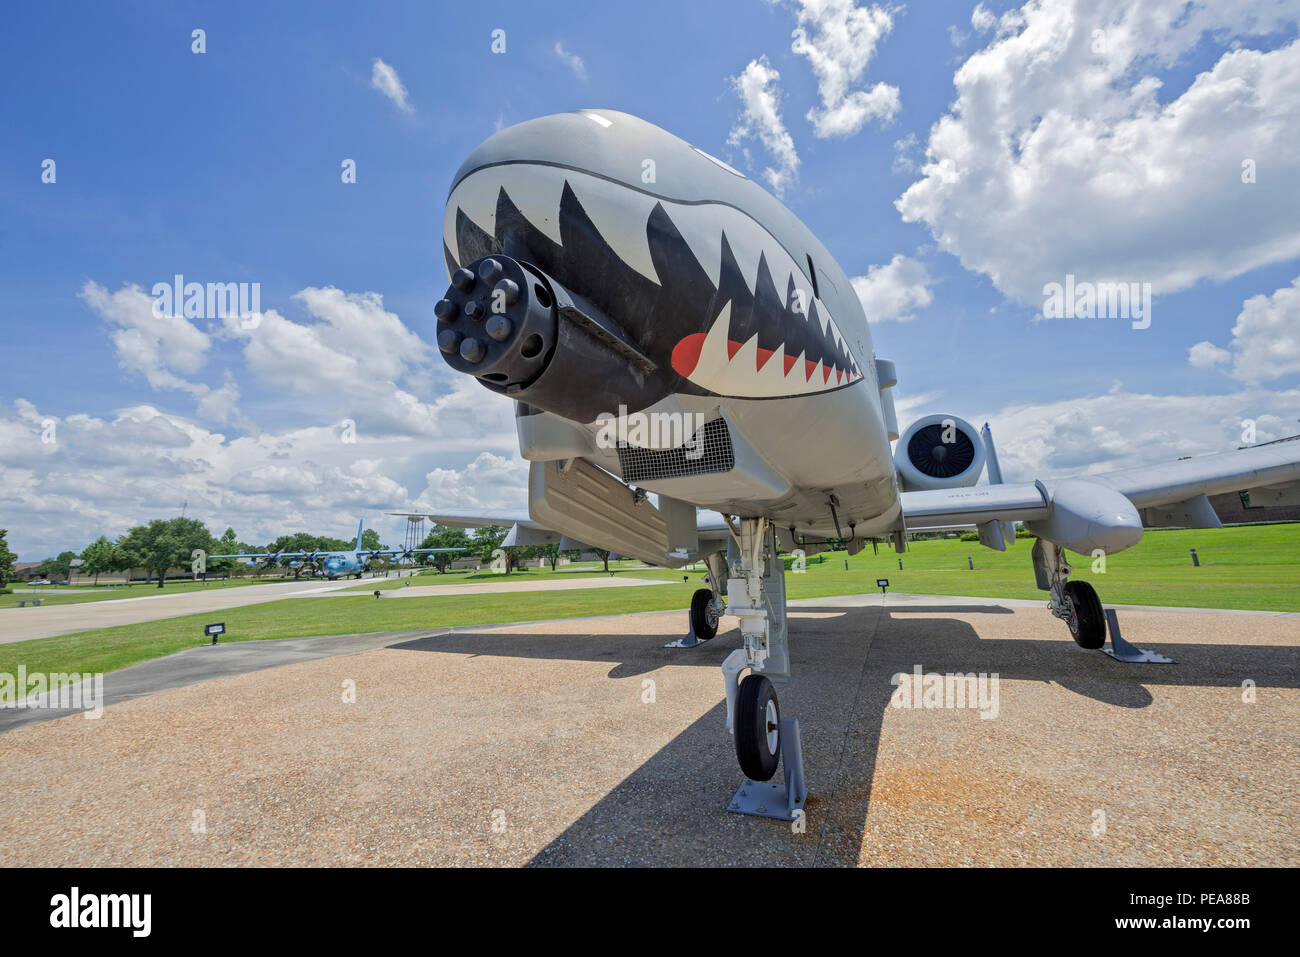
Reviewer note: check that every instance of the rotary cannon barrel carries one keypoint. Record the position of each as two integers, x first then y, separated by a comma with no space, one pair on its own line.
523,334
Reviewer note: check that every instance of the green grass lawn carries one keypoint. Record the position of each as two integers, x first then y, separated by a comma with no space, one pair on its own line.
107,649
1253,567
629,569
58,595
1249,566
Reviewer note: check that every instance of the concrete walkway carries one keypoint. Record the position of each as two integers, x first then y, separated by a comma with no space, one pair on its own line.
22,624
587,742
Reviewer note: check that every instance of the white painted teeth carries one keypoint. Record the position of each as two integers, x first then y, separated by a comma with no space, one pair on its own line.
621,214
725,372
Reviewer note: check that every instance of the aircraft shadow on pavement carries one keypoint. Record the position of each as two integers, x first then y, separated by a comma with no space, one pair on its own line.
671,808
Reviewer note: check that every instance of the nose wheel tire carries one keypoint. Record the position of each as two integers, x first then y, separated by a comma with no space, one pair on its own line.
1088,622
704,614
758,728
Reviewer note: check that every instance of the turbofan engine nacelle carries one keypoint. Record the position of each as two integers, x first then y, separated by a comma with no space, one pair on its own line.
939,451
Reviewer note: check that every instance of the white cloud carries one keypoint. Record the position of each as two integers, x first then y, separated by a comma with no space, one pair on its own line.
155,346
982,19
895,290
221,405
1265,339
385,79
159,346
1059,157
758,87
352,358
572,61
361,362
354,339
839,39
487,483
1206,355
107,473
904,150
1125,429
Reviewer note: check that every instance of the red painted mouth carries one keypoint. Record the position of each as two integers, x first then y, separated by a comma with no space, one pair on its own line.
686,356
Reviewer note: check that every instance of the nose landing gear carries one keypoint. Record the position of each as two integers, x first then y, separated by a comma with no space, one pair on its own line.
756,589
764,742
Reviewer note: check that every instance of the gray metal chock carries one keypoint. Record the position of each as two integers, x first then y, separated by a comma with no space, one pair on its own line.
782,799
688,640
1122,650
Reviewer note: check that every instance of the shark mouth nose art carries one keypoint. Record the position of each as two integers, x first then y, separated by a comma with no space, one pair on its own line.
716,304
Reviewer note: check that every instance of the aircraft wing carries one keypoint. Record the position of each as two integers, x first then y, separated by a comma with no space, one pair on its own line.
268,555
411,551
525,531
467,519
1172,493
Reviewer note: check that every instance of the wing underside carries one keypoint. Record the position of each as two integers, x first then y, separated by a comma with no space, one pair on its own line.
1172,493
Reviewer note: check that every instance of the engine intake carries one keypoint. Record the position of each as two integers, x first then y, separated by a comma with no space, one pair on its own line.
939,451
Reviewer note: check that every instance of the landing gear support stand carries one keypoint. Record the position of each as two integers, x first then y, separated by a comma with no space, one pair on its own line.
1122,650
783,799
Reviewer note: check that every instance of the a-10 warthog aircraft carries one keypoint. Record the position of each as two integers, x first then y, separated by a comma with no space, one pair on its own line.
684,334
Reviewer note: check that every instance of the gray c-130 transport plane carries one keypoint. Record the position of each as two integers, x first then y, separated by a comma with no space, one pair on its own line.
338,564
684,334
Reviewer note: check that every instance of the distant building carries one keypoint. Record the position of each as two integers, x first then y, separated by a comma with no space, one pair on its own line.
25,571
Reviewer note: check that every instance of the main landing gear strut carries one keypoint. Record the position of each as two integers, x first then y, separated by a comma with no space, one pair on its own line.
707,606
1076,603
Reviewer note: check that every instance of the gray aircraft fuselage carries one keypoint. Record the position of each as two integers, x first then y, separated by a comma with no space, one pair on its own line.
740,311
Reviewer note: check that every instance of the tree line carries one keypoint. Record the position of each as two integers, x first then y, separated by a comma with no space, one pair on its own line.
164,544
484,545
171,543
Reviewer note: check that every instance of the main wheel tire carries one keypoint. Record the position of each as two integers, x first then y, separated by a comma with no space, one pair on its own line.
758,728
704,615
1088,625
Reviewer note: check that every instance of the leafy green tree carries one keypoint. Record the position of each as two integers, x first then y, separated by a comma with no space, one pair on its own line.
7,559
166,543
603,555
488,539
227,544
100,556
370,540
441,537
549,552
295,542
58,567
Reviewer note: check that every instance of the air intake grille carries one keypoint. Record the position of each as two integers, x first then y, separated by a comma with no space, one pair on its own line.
707,452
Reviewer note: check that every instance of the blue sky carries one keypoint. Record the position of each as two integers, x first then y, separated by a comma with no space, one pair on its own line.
224,166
